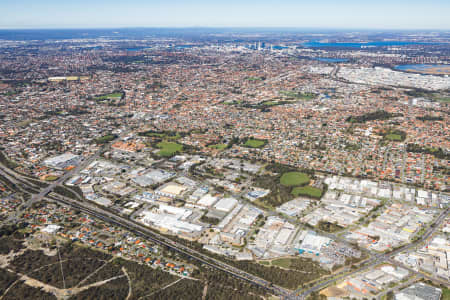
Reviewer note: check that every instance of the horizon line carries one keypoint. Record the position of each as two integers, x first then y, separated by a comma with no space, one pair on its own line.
222,27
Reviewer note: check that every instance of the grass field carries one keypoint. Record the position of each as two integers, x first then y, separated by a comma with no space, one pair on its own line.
270,103
301,96
168,148
393,137
445,294
218,146
294,179
445,100
155,134
109,96
307,191
105,139
282,262
51,178
254,143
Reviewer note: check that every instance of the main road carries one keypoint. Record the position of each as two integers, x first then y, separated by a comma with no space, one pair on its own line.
13,176
139,229
149,234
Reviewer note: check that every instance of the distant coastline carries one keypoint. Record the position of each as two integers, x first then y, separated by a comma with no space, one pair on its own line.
431,69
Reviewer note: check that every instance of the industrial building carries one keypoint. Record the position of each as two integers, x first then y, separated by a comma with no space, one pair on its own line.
62,161
419,291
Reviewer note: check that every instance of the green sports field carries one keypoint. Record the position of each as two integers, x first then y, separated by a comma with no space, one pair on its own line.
294,179
308,191
168,148
394,137
254,143
109,96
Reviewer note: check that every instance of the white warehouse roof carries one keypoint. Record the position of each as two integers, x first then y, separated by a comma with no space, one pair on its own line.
226,204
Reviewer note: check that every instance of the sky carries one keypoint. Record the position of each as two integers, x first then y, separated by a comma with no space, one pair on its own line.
345,14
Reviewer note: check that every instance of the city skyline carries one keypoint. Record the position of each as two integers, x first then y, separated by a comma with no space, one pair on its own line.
348,14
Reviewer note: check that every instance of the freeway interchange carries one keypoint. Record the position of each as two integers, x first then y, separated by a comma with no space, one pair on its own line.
38,193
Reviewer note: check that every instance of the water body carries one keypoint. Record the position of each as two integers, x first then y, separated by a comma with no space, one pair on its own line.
425,68
330,59
184,46
316,44
135,49
279,47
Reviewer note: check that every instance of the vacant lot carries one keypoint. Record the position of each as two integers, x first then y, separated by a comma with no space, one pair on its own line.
294,179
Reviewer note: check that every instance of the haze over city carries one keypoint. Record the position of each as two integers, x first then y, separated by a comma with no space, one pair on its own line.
383,14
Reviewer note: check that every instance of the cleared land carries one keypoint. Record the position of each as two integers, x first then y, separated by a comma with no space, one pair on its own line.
168,148
294,179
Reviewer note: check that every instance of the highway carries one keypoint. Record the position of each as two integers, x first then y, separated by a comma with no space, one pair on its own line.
38,197
13,177
143,231
146,233
151,235
335,70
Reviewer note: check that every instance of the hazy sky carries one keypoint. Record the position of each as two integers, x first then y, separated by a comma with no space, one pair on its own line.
385,14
